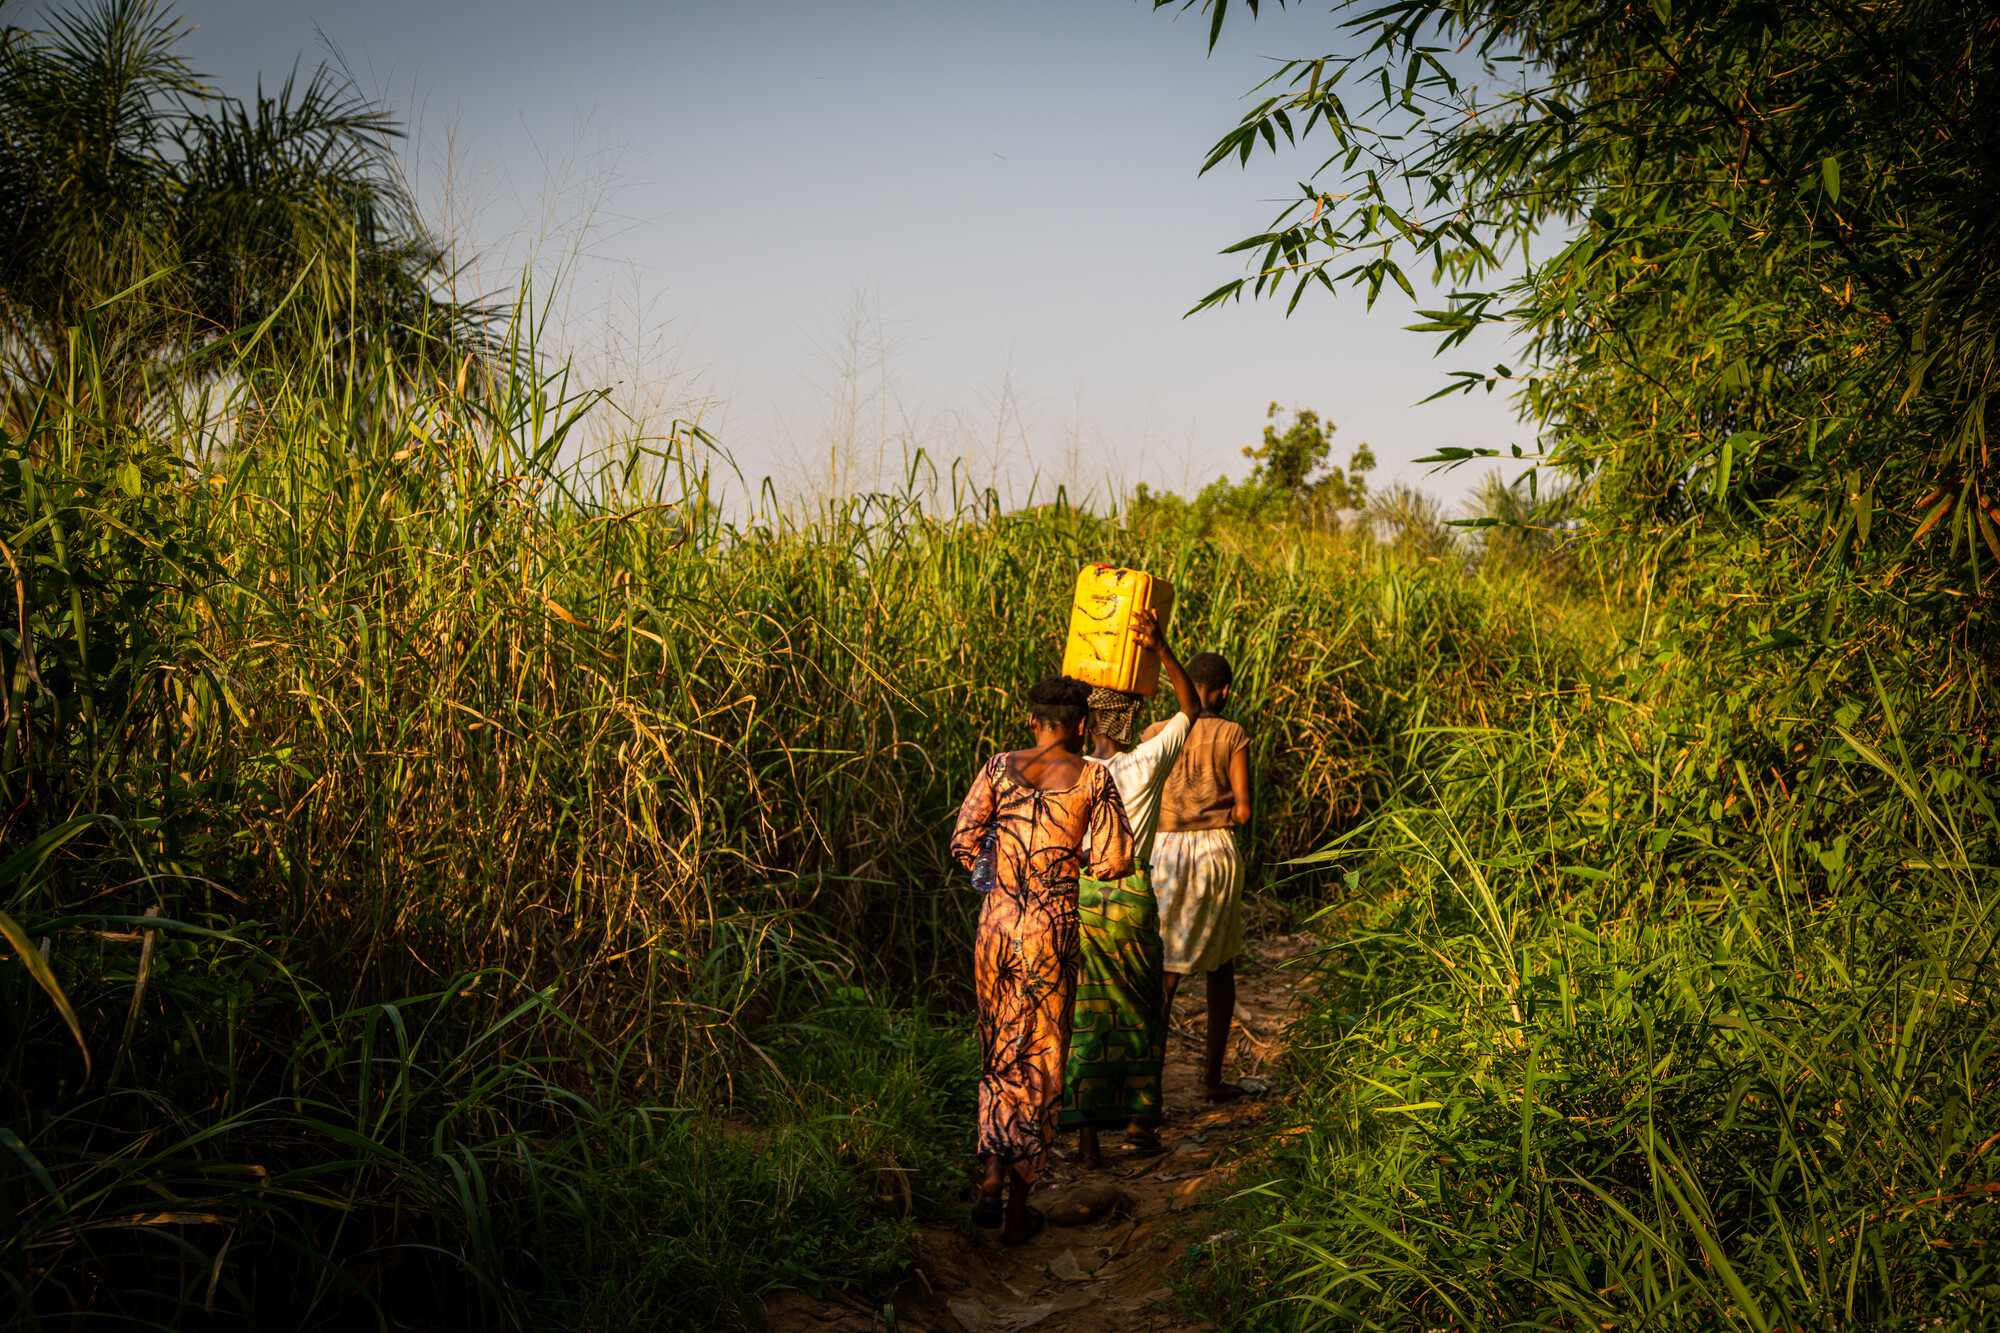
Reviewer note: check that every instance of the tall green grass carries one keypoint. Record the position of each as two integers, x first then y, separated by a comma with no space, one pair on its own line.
1670,1003
466,864
417,813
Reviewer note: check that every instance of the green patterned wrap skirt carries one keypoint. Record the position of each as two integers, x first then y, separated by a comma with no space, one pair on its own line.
1118,1039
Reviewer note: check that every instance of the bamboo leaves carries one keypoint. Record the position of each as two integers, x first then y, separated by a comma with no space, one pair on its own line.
1763,226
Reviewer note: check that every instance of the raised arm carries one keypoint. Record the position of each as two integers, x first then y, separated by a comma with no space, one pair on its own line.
1147,630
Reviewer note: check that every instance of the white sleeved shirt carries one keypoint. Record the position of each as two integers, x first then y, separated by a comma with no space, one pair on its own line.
1139,774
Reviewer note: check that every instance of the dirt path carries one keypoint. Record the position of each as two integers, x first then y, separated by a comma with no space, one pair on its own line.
1105,1276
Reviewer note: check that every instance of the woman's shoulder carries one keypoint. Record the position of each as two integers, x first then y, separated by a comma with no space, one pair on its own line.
1002,768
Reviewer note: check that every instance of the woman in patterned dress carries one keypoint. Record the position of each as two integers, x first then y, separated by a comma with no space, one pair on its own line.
1040,806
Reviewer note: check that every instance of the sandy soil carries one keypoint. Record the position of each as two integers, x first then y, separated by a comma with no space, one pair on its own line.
1104,1276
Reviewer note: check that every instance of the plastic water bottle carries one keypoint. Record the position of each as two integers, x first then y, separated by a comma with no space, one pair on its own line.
984,865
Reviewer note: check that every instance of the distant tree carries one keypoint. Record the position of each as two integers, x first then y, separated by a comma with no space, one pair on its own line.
121,170
1287,460
1281,488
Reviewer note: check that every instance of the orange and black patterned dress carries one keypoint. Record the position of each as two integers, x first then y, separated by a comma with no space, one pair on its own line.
1025,958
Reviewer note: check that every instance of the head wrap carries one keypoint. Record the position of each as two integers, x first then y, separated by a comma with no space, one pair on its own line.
1113,714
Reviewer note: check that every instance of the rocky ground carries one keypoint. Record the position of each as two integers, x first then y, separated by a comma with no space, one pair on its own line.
1104,1272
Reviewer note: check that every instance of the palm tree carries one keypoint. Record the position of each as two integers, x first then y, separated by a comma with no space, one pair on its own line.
1522,527
1410,520
122,174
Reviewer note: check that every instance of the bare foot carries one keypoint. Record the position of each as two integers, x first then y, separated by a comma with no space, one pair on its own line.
1222,1092
992,1205
1023,1223
1030,1225
1143,1138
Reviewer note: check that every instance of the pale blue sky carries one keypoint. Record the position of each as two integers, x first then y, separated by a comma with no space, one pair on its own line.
1015,182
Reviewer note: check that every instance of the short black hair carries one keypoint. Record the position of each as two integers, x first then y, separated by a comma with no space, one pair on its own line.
1059,701
1210,671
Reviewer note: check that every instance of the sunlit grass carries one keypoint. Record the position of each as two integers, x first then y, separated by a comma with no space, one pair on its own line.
484,796
1674,1007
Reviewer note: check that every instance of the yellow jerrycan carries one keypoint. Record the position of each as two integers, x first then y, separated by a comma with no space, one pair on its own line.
1102,648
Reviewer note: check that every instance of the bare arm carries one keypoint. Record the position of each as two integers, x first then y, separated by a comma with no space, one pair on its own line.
1239,784
973,817
1149,636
